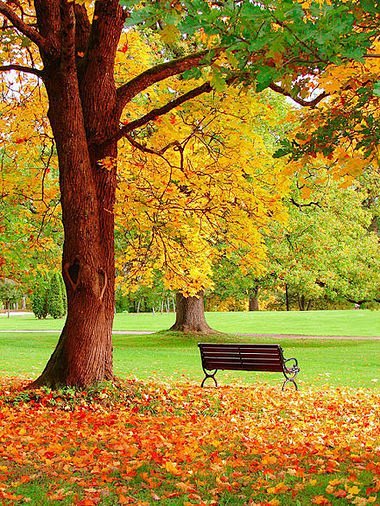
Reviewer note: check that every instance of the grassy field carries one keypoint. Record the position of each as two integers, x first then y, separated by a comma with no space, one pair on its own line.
168,356
316,323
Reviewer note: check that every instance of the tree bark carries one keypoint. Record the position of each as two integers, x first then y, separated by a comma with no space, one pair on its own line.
84,352
253,302
190,315
287,301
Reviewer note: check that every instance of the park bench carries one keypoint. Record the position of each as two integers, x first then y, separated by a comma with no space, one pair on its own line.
246,357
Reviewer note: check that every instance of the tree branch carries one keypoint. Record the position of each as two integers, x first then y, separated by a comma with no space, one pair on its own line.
107,24
305,103
22,68
151,151
155,113
23,27
82,29
309,204
156,74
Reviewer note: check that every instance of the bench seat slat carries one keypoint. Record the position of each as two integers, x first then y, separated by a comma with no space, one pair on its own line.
247,360
243,367
233,347
242,360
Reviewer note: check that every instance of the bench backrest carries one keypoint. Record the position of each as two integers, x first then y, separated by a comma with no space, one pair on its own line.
245,357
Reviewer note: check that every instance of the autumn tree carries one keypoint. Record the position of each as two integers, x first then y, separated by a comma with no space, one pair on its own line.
345,127
208,195
70,47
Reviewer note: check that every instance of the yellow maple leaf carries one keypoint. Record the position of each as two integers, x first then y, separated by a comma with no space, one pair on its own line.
171,468
354,490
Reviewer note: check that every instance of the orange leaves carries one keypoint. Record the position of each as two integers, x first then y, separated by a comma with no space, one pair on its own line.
280,488
108,163
269,459
144,443
320,499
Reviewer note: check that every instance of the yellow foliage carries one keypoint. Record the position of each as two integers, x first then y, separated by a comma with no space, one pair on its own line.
346,85
211,191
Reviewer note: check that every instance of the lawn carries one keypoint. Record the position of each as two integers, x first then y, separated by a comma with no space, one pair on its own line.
317,323
175,357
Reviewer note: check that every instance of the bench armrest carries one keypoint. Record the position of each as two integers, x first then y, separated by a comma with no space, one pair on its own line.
291,368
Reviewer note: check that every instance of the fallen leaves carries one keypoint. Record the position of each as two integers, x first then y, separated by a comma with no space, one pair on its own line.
143,443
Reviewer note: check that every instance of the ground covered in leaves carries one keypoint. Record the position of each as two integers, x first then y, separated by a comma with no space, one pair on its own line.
142,443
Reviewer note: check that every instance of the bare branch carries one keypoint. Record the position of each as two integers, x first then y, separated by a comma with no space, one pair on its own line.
156,74
22,68
305,103
23,27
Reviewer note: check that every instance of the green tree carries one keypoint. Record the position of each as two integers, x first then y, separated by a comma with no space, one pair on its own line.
55,297
39,297
328,250
63,292
10,293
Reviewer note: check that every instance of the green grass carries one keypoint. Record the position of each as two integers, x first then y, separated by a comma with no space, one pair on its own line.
363,323
169,356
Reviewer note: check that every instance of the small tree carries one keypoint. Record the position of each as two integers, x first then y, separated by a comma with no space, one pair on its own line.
39,298
55,298
63,292
9,293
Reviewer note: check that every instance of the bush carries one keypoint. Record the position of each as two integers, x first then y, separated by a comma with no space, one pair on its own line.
39,298
63,290
49,296
55,297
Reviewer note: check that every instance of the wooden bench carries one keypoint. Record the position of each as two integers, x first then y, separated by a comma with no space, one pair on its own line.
247,357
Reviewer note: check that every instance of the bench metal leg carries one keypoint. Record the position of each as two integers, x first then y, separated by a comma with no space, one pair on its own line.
208,375
289,380
290,373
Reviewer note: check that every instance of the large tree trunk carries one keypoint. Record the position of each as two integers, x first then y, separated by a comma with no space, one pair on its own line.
190,315
82,113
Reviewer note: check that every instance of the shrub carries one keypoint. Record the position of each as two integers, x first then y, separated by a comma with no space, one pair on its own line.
39,298
55,297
